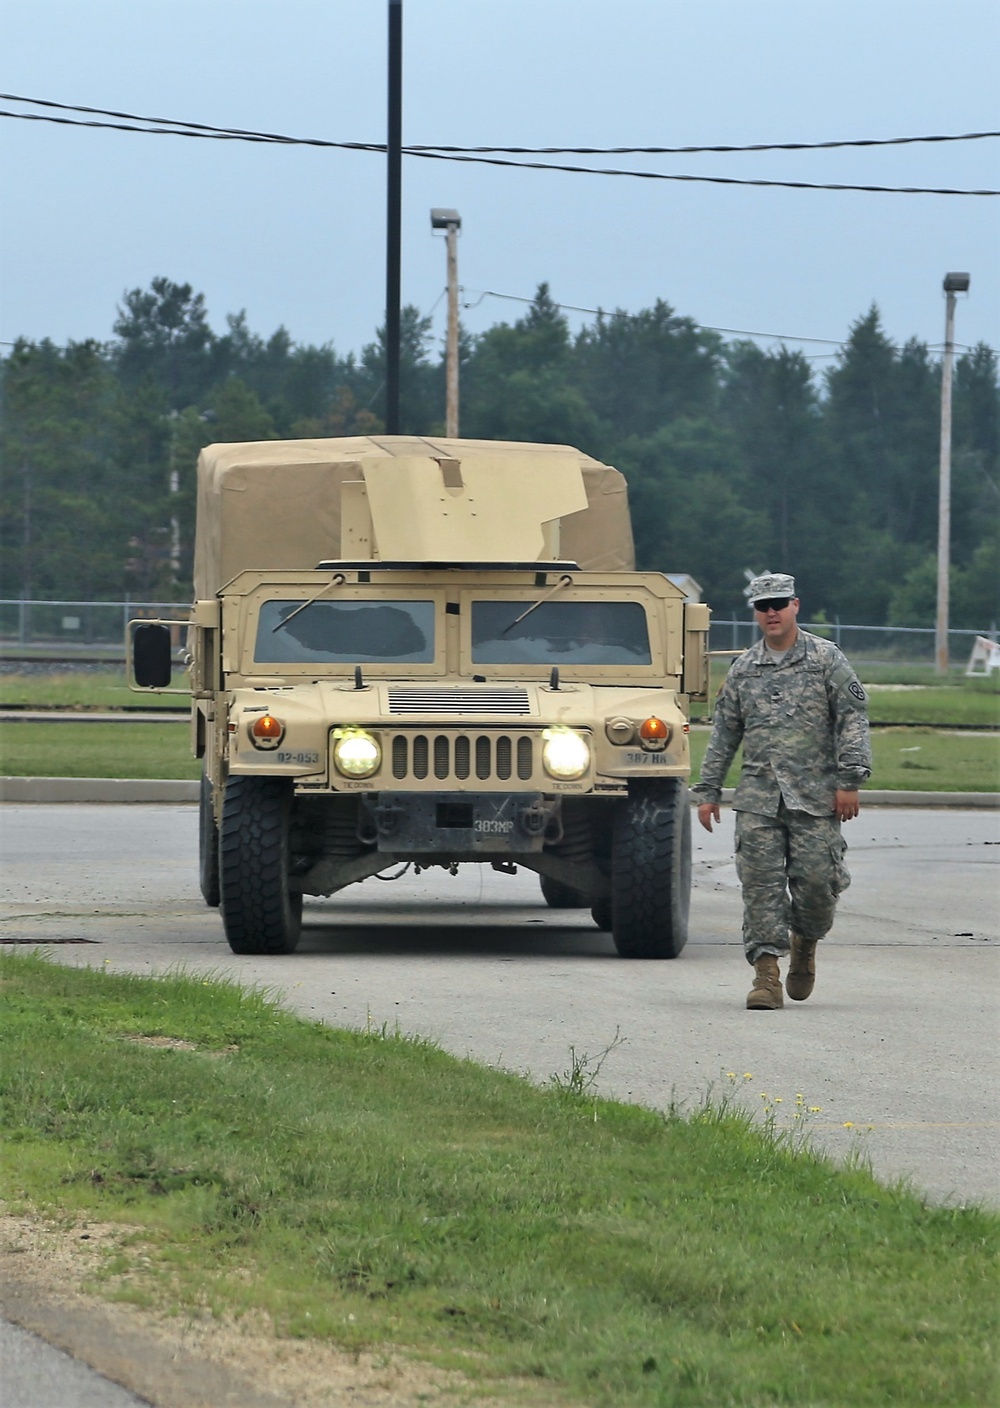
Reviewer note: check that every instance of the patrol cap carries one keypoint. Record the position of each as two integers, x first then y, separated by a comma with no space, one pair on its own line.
770,584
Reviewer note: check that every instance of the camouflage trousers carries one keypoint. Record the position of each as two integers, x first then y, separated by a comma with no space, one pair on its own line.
792,870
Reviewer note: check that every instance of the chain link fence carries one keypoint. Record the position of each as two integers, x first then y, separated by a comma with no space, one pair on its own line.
72,628
866,646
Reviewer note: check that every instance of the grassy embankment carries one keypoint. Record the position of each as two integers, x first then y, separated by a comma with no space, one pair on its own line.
363,1189
906,758
97,750
905,695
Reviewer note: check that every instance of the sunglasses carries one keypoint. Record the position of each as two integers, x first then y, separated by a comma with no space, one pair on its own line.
775,603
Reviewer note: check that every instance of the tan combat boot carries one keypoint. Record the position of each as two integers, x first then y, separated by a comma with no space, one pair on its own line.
801,976
765,995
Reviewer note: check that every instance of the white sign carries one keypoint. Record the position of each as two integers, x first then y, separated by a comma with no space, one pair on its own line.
985,657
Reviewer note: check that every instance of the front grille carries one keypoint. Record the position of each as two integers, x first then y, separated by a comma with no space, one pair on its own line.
454,758
505,700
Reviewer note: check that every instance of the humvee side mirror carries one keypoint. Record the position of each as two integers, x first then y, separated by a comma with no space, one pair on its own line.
151,663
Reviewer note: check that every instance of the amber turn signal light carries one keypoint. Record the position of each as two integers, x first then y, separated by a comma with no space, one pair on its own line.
267,731
654,733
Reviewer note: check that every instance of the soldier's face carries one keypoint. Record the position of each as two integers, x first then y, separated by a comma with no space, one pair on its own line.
776,619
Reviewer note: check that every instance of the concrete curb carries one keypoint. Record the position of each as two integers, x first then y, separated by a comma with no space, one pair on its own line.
983,800
126,789
96,789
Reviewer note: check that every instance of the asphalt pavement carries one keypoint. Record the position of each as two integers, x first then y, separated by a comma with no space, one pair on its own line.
35,1374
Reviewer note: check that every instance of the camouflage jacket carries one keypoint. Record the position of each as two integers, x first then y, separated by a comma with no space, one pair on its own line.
802,724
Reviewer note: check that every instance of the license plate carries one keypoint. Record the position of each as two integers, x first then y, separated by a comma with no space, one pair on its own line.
647,760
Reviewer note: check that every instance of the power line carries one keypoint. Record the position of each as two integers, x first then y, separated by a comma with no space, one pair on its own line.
620,313
691,151
517,151
701,327
208,129
711,180
169,127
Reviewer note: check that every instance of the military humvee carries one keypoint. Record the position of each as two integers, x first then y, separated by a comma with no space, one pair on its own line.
435,652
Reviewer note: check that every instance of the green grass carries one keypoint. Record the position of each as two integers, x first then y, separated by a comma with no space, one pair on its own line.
971,702
923,674
97,750
968,707
83,689
922,760
958,701
918,760
910,760
361,1188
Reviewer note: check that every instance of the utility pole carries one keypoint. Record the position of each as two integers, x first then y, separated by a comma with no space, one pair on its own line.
26,536
175,488
451,222
953,284
394,153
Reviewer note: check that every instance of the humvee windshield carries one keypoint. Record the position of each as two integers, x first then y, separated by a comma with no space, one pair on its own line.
560,632
345,632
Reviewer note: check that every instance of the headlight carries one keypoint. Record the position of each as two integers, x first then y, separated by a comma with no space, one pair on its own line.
566,754
356,753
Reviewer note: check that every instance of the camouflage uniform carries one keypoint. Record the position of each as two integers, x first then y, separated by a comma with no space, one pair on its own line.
804,730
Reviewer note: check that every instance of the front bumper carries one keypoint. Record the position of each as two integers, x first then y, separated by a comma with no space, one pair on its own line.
453,823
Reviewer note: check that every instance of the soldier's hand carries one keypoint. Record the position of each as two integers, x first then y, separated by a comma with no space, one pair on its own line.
846,805
707,812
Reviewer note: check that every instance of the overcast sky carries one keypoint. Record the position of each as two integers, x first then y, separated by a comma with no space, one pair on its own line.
296,236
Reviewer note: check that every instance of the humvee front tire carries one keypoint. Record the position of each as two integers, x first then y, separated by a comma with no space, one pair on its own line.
208,846
259,913
651,871
559,896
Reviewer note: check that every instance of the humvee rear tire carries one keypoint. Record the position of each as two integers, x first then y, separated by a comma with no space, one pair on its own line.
651,871
259,913
559,896
208,846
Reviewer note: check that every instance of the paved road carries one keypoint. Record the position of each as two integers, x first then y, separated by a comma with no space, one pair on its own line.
33,1374
897,1047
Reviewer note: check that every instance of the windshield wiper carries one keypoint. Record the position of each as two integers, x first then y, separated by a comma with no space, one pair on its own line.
564,580
337,581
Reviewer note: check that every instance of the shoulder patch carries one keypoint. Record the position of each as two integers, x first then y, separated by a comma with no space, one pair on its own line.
855,688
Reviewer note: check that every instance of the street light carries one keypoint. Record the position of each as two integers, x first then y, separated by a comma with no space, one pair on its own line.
953,284
451,222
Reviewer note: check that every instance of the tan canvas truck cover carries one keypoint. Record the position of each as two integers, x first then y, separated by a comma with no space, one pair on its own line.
277,504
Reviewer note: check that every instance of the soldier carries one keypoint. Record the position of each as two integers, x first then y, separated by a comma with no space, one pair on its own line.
796,705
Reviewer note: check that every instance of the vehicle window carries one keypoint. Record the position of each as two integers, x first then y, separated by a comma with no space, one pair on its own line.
560,633
346,633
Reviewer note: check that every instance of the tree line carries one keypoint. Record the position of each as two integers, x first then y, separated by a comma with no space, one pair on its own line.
737,457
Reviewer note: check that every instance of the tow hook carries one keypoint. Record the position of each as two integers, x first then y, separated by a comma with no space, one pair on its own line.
387,817
534,819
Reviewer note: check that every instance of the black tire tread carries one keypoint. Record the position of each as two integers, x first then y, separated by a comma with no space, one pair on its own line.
259,914
651,871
